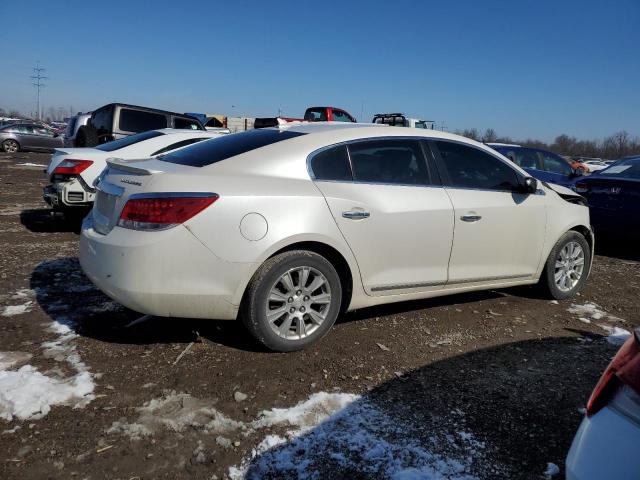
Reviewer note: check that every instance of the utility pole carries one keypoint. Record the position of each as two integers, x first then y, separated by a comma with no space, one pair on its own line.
443,127
37,78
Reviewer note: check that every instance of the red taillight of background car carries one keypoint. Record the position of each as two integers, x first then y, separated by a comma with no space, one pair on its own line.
163,211
624,369
72,167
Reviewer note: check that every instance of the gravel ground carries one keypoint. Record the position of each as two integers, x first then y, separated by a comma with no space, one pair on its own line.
483,385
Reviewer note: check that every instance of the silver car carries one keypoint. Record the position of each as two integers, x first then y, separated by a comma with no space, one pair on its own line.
28,136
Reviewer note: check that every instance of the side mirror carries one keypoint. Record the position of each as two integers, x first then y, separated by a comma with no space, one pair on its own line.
529,185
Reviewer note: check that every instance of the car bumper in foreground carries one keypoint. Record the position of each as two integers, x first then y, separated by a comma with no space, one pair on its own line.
607,445
166,273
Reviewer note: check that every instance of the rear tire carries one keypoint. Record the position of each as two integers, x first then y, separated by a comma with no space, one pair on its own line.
87,136
292,301
10,146
567,267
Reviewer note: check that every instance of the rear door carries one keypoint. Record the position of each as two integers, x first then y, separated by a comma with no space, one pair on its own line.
396,220
498,233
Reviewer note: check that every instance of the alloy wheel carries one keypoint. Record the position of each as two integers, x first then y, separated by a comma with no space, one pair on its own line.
10,146
569,266
298,303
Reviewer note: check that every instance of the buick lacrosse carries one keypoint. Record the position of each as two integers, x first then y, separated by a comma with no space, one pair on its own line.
285,228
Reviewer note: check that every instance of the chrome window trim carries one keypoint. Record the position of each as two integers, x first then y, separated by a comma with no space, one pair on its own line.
346,143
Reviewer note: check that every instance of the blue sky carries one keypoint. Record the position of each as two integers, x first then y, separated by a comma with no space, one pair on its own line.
524,68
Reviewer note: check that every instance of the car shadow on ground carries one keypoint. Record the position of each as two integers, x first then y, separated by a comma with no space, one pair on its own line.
500,412
68,296
620,247
64,292
42,220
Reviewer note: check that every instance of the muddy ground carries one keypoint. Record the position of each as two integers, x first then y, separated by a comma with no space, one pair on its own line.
512,368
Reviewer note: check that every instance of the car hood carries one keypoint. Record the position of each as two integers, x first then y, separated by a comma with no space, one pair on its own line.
560,190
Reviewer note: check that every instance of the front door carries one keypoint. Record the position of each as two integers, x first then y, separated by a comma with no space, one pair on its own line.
398,225
498,233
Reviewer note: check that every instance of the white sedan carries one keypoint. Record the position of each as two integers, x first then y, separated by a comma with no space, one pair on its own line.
287,227
72,171
607,444
595,165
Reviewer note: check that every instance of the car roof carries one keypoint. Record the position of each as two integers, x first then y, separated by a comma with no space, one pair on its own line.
188,132
495,144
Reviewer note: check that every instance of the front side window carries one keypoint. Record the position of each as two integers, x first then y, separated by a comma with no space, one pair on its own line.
555,164
102,121
186,124
140,121
340,116
470,167
316,115
126,141
332,164
525,158
391,161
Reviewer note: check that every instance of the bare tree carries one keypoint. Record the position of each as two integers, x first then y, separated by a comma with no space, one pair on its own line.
489,136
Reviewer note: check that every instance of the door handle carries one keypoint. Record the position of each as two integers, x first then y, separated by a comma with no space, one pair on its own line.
356,214
470,218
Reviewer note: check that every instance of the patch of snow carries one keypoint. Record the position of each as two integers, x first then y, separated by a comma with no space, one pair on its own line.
28,164
11,310
617,335
11,359
552,469
26,393
593,311
350,433
177,412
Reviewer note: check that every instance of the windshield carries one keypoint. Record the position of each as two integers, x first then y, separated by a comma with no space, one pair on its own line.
130,140
629,168
206,153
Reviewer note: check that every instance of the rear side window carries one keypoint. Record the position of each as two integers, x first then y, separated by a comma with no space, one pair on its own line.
470,167
140,121
126,141
207,153
555,164
339,116
102,121
397,162
186,124
316,115
332,164
174,146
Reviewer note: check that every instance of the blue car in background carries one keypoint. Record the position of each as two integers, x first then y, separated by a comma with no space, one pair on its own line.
613,195
541,164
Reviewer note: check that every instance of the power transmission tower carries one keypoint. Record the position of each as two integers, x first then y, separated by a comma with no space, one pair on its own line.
37,78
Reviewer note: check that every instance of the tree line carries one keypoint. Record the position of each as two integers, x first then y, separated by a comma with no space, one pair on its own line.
51,114
618,145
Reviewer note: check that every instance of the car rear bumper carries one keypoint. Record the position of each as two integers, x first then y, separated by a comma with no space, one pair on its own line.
607,445
67,194
166,273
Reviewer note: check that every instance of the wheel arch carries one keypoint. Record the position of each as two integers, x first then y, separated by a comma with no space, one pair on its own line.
337,259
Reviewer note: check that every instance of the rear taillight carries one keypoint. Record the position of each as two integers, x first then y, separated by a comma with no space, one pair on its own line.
72,167
624,369
581,187
162,211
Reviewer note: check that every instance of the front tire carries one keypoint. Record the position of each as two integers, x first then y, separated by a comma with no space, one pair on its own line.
292,301
10,146
567,267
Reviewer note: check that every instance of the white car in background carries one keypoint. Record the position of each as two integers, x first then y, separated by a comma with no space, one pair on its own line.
607,444
286,227
72,171
595,165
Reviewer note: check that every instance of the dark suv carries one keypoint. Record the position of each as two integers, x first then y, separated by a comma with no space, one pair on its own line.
541,164
117,120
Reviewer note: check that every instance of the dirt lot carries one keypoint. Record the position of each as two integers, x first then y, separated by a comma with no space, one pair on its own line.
486,385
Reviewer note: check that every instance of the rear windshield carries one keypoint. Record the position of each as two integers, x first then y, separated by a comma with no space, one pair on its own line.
209,152
629,168
126,141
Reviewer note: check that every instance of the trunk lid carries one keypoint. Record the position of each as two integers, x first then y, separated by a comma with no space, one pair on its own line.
116,184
